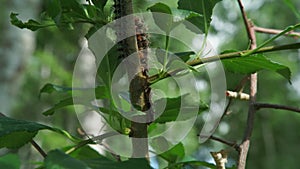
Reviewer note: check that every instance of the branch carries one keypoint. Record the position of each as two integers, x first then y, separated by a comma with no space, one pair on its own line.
244,146
231,144
276,106
249,26
38,148
231,55
276,31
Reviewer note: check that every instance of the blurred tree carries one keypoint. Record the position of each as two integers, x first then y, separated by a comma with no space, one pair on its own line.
17,47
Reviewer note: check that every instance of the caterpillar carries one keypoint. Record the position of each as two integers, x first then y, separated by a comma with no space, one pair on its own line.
142,97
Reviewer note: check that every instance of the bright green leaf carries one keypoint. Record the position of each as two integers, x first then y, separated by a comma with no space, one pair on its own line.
58,160
254,63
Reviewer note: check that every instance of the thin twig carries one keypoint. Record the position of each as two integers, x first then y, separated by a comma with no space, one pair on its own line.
230,144
276,31
244,146
249,26
276,106
97,139
38,148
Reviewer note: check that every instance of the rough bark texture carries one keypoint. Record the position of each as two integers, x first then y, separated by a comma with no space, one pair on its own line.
139,88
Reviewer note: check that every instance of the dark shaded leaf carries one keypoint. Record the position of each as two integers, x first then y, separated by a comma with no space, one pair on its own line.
99,3
31,24
174,17
58,160
254,63
164,22
105,163
49,88
204,8
185,56
53,8
172,109
61,104
191,163
20,131
85,152
174,154
102,92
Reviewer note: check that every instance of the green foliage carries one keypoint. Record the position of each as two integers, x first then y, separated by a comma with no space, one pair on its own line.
31,24
59,105
57,159
10,161
175,154
255,63
18,130
203,8
171,110
50,88
174,17
93,14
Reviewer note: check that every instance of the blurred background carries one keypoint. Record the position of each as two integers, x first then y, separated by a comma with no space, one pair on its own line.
29,60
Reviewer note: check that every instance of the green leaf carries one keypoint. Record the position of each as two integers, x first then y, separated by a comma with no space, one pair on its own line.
99,3
174,154
85,152
203,7
31,24
53,8
58,160
50,88
164,22
20,131
101,91
172,108
185,56
191,163
10,161
74,8
254,63
61,104
105,163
